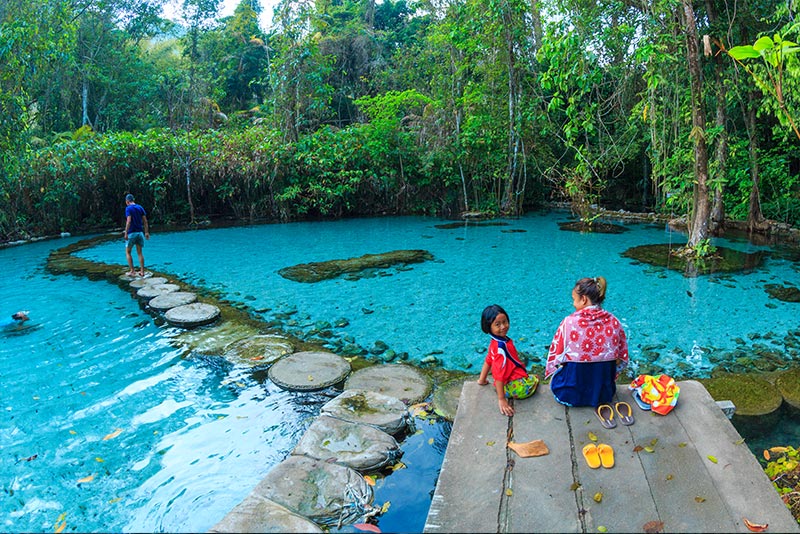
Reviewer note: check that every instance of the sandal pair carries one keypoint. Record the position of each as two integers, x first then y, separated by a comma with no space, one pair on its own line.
605,413
597,455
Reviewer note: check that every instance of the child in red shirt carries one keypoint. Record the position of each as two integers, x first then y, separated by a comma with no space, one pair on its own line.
511,380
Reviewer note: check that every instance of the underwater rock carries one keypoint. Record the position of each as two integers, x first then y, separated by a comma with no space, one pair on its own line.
788,383
592,227
784,293
447,395
258,350
257,514
752,394
724,259
216,339
316,489
360,447
383,412
404,382
309,371
325,270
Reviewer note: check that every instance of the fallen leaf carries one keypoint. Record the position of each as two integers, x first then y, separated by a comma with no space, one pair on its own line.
574,486
86,479
509,492
115,500
766,455
256,358
653,442
601,528
652,527
738,441
368,527
72,432
592,436
98,459
669,477
430,441
113,435
700,499
712,458
682,444
60,528
778,449
385,507
398,465
369,480
649,449
638,448
598,497
490,443
754,527
310,378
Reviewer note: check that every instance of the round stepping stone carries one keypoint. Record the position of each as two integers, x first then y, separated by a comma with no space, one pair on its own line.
447,395
214,340
788,384
258,350
400,381
309,371
324,492
369,408
152,291
171,300
360,447
152,281
125,277
190,315
257,514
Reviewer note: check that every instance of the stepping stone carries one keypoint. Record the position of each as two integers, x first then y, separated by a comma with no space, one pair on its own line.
324,492
257,514
369,408
171,300
191,315
309,371
151,291
360,447
258,349
400,381
153,280
216,339
446,396
788,384
125,277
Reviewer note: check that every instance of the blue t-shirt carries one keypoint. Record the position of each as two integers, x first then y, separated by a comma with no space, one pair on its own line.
135,212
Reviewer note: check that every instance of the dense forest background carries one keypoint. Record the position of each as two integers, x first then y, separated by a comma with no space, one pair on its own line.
354,107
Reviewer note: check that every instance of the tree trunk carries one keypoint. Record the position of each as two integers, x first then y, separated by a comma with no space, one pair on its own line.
536,22
755,219
721,122
509,202
698,224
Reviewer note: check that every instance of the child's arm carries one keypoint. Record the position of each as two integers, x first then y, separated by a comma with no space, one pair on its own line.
505,407
484,373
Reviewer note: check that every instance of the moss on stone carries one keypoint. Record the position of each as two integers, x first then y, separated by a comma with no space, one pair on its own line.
725,260
752,395
784,293
788,384
358,404
325,270
592,227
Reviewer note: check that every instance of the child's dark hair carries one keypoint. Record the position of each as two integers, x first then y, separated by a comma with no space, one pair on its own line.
488,316
593,288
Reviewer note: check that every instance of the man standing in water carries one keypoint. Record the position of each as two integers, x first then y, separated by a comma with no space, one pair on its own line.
136,231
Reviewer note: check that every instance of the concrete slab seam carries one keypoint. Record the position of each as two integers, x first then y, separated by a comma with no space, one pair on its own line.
573,457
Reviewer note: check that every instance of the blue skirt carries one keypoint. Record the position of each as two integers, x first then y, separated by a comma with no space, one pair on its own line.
585,383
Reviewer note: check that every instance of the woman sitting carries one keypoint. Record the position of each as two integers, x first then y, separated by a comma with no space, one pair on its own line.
588,351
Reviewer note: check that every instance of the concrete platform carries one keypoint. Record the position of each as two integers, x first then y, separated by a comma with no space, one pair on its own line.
485,487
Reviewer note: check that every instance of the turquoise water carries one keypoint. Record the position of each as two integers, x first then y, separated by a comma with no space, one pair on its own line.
189,437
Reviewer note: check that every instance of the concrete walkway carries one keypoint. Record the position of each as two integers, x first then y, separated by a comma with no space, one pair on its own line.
699,477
